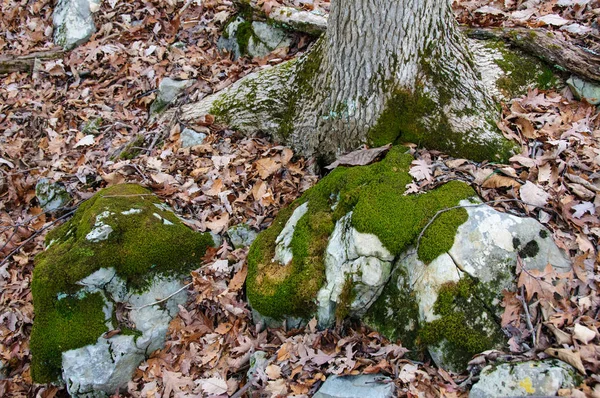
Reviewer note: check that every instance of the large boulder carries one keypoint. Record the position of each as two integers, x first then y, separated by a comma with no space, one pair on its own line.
348,247
104,271
74,22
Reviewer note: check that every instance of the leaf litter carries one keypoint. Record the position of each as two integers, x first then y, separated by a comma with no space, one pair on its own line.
67,119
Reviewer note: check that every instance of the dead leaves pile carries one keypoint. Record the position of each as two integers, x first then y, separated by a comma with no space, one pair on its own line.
556,179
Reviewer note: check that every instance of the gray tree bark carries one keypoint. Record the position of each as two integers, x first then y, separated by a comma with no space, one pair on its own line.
384,71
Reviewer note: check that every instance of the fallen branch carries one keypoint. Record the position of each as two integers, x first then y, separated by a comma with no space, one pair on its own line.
551,47
25,63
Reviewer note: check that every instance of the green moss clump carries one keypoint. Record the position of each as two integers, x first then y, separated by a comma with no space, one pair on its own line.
396,313
374,194
132,149
346,298
145,241
461,329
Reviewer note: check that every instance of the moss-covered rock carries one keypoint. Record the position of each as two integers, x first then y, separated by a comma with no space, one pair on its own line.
125,228
371,197
451,306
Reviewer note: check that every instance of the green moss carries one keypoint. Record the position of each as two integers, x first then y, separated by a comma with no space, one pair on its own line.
68,324
418,118
243,34
523,72
375,195
92,126
132,149
345,299
140,246
461,330
396,313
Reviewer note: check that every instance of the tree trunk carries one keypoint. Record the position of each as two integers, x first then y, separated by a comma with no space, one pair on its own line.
385,71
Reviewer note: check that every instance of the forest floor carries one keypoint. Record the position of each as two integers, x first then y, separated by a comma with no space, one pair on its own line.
231,179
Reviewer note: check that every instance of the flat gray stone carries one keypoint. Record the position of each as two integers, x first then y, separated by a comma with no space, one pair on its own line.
190,138
241,235
74,22
584,90
51,196
533,378
362,386
168,90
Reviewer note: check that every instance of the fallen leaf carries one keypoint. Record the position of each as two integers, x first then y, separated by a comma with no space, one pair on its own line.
568,356
362,157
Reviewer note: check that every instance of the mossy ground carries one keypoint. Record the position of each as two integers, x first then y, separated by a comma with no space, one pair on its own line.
375,195
140,247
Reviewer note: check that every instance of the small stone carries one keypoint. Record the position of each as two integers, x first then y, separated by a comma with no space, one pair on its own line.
533,378
362,386
584,90
190,138
241,235
168,90
74,22
52,196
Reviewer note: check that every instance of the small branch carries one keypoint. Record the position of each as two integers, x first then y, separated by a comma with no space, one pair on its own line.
162,300
527,316
25,63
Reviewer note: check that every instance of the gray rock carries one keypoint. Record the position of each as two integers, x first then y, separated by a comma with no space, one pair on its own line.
543,378
190,138
256,39
363,386
356,258
229,41
268,322
241,235
168,90
584,90
52,196
266,38
102,368
74,22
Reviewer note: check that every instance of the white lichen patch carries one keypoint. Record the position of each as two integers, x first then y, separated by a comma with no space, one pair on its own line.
164,220
101,230
131,211
283,252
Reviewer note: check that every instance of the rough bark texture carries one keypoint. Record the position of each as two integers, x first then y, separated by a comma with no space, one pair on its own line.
385,71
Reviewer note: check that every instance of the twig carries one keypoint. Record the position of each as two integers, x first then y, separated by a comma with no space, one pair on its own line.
162,300
16,250
440,212
242,390
527,316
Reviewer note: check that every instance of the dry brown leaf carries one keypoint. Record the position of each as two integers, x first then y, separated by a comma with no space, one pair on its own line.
266,167
500,181
361,157
568,356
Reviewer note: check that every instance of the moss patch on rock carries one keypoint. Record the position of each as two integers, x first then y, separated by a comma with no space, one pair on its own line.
374,194
462,329
123,227
523,71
